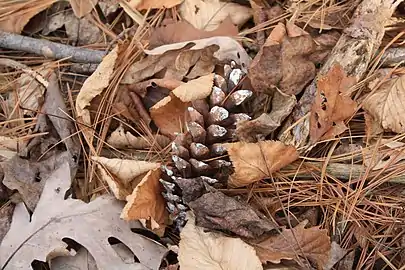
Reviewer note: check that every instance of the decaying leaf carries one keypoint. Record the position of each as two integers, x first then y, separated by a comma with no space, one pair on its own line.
169,113
174,63
147,202
373,127
184,31
153,4
29,94
82,31
208,14
386,104
13,19
332,104
207,250
259,128
82,7
124,171
296,244
214,210
6,213
43,236
336,254
283,61
255,161
82,259
178,58
123,140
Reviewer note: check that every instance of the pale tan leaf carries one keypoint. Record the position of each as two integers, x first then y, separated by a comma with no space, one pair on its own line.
14,16
208,14
9,143
153,4
387,104
118,189
169,113
255,161
124,169
82,7
296,244
147,202
200,250
195,89
42,235
96,83
122,140
30,93
229,49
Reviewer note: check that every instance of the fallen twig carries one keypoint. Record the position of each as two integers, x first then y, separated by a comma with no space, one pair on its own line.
354,51
49,49
338,170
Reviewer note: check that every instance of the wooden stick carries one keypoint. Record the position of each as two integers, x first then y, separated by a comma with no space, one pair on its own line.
354,51
49,49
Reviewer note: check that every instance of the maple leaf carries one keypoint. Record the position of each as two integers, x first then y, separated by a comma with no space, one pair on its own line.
294,244
255,161
332,105
386,104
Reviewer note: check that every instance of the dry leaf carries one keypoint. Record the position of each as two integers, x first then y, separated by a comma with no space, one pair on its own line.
82,31
15,15
40,237
373,127
81,260
6,214
216,211
147,202
30,93
259,128
332,104
169,113
118,189
173,63
336,254
207,250
92,87
209,14
256,161
183,31
386,104
153,4
313,244
388,154
123,140
82,7
283,61
124,169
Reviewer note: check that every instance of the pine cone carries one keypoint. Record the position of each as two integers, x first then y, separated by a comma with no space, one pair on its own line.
198,153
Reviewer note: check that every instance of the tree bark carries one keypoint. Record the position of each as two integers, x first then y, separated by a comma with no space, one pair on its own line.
354,51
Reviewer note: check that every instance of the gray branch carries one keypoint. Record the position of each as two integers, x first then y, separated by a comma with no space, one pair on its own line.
49,49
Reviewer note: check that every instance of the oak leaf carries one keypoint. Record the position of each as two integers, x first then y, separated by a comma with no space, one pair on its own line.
386,104
255,161
207,250
283,61
169,113
332,104
147,202
43,235
295,244
184,31
209,14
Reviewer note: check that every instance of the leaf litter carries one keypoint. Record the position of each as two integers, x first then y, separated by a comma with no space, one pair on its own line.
175,132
